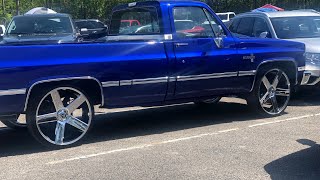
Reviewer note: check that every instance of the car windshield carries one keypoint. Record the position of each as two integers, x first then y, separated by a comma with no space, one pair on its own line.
40,25
223,16
296,27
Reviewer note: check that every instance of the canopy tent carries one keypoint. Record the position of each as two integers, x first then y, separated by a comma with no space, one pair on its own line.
268,8
41,10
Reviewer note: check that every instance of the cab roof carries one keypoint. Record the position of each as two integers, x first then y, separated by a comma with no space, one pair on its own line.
293,13
156,3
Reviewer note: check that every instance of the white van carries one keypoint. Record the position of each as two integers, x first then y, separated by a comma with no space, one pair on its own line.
227,16
2,30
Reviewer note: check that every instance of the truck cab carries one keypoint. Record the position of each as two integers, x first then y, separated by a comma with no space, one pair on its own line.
180,52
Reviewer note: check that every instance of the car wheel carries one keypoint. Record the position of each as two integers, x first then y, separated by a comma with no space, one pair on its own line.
14,124
209,101
271,92
59,117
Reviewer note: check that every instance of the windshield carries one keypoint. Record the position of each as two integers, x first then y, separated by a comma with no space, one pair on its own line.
296,27
40,25
223,16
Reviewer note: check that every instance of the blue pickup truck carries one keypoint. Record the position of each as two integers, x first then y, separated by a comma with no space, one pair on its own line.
181,52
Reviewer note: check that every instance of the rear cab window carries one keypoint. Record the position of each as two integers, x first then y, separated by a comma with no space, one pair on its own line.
125,22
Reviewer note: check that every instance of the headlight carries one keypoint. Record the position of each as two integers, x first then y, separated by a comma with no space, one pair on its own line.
312,57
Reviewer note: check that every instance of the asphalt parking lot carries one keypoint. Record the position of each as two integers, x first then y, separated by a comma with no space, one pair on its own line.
224,141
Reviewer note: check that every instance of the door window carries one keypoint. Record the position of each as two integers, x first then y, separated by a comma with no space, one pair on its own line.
245,27
260,26
215,24
192,22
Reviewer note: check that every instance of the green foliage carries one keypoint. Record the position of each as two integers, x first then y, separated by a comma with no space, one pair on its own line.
101,8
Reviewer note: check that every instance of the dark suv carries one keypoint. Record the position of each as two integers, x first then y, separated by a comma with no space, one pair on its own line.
41,29
92,28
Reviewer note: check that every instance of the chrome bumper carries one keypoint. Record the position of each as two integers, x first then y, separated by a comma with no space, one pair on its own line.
309,79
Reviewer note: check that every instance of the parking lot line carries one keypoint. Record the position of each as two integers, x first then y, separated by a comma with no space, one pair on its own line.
143,146
140,146
284,120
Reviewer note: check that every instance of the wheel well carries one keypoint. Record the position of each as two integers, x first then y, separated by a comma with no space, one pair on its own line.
288,66
90,86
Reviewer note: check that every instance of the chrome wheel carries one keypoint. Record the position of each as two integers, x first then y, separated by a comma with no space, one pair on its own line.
274,91
63,116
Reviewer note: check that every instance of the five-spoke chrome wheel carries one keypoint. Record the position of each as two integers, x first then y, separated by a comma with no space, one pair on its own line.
274,91
61,117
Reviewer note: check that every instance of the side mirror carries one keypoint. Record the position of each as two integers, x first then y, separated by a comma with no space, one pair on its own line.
264,35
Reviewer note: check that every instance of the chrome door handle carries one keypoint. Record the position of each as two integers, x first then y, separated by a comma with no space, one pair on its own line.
182,44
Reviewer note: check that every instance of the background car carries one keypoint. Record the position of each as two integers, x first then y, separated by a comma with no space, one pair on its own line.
2,30
302,26
130,22
227,16
41,29
92,28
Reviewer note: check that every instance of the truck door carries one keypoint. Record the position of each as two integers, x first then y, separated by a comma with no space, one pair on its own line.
204,64
136,70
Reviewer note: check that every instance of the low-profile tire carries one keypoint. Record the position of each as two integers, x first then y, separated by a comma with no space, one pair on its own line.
208,101
59,117
271,93
13,123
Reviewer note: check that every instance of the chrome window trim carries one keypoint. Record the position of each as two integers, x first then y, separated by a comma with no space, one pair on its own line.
134,37
10,92
63,79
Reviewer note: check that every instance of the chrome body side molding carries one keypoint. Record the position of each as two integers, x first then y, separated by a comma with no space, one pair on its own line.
11,92
247,73
150,80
